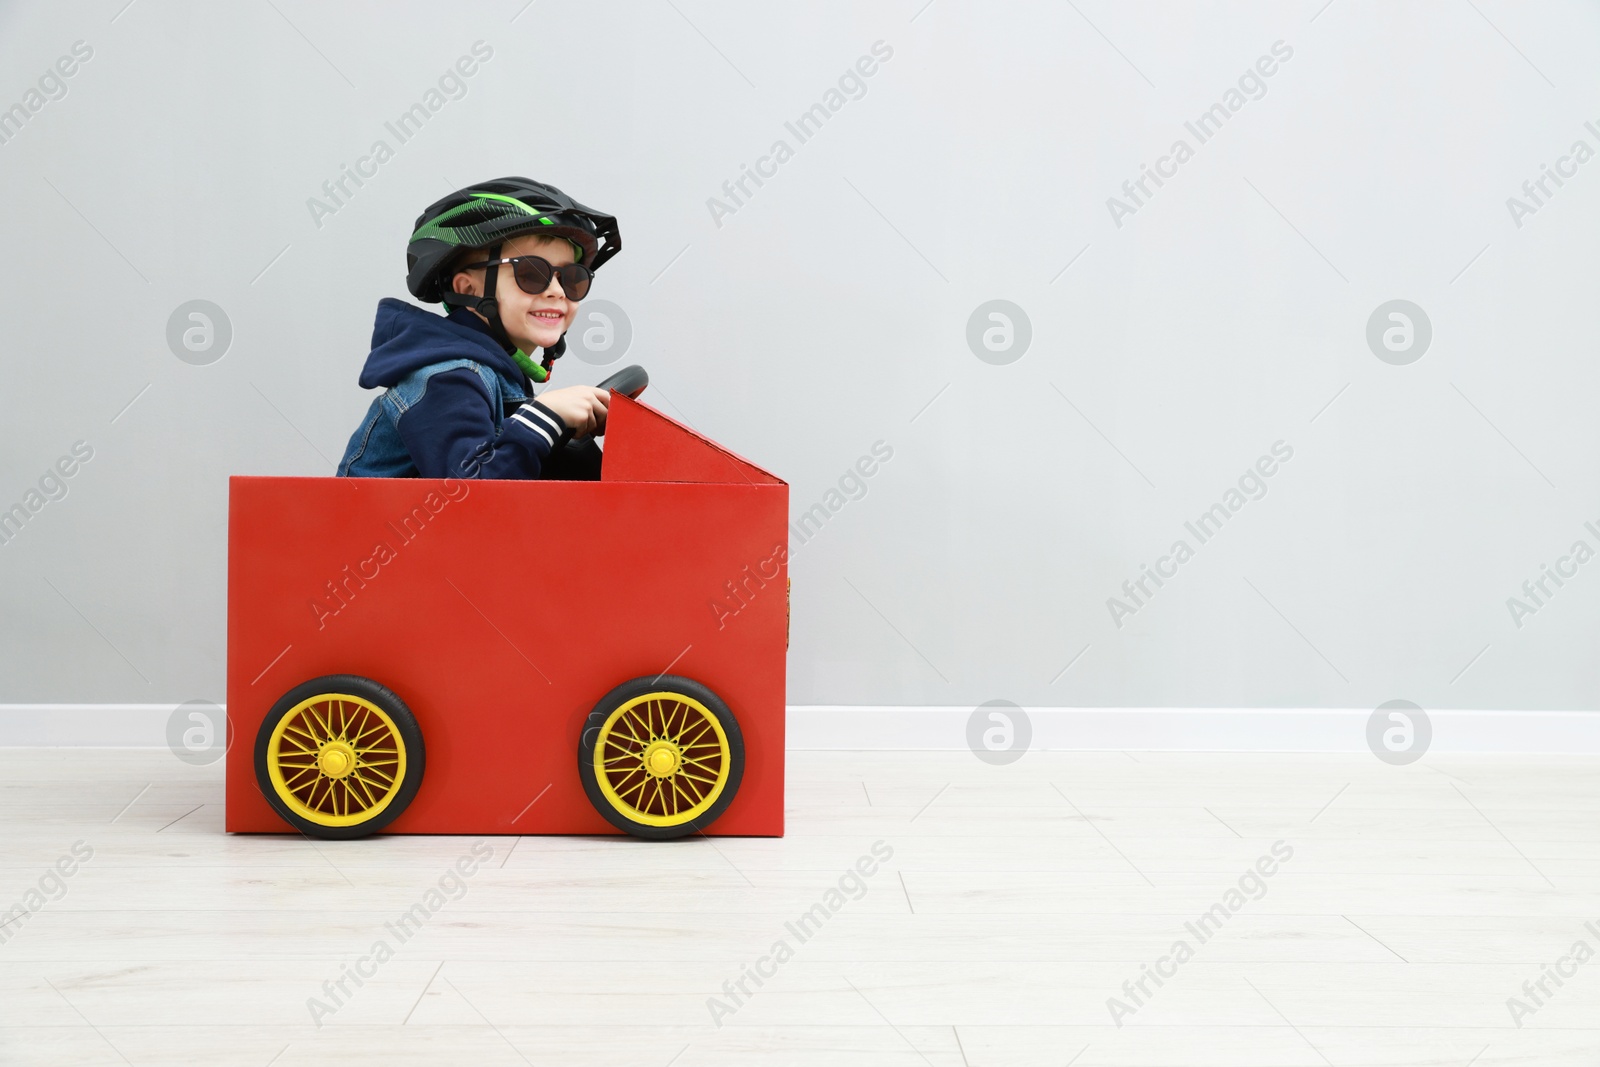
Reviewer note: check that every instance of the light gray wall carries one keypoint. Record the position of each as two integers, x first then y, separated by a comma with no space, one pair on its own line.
830,309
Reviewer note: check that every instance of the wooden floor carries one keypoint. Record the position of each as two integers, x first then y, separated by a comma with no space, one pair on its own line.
1018,900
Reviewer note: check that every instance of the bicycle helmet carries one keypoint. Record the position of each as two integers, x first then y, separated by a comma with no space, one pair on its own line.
486,215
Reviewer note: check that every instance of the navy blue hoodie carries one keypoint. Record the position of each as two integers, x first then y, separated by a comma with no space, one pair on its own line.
455,405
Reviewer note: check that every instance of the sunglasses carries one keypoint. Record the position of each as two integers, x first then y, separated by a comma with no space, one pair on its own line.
533,274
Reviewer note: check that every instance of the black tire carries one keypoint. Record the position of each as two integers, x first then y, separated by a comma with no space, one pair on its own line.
733,767
408,734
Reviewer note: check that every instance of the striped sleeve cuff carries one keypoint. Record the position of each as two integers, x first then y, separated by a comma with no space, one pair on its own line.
541,420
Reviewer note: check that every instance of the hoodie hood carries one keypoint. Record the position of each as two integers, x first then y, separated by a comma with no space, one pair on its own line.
406,338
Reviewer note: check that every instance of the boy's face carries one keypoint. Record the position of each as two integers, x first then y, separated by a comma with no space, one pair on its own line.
531,320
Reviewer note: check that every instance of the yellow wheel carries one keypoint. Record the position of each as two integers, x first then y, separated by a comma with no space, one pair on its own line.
661,757
339,757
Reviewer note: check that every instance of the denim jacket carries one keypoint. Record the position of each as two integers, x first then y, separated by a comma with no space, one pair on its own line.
455,404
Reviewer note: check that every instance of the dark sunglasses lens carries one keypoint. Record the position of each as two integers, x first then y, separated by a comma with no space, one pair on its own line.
575,279
532,273
533,276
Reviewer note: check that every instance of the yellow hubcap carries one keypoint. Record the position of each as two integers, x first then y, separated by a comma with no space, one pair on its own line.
336,760
662,759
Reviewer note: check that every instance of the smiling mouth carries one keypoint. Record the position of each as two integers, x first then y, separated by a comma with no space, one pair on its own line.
551,317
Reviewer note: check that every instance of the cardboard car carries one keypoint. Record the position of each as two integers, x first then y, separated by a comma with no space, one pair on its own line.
513,657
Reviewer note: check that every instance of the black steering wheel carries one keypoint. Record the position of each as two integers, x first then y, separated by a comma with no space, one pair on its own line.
629,381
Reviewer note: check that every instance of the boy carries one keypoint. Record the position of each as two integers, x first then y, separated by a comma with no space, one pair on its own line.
510,259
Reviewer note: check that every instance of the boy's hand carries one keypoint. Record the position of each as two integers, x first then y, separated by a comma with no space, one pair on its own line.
581,407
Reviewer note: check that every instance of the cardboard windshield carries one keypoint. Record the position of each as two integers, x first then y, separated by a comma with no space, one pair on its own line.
643,445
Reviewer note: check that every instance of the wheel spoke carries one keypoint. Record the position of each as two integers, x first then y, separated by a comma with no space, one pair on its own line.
709,768
378,791
380,772
377,727
374,789
293,781
357,784
639,791
685,793
366,723
294,736
703,728
695,789
693,778
319,727
684,711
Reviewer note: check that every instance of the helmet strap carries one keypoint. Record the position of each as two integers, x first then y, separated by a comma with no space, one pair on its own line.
486,305
533,370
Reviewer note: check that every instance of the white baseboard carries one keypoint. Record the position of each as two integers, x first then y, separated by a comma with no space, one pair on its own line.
1192,729
84,725
945,728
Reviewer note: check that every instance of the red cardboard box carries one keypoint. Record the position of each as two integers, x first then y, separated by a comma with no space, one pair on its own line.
501,611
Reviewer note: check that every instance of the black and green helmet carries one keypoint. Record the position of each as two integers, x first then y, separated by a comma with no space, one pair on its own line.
491,212
486,215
